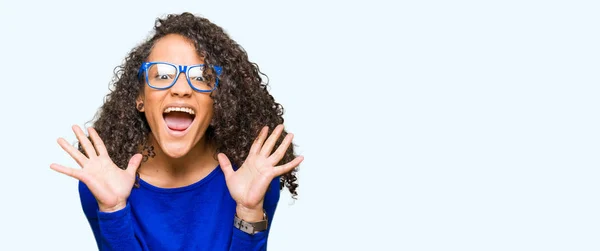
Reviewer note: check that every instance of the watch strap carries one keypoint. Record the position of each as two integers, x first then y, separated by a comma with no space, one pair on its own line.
251,227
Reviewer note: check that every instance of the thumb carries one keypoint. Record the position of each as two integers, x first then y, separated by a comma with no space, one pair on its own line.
225,164
134,163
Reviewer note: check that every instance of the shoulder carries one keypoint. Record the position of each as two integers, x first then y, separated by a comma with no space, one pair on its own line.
88,201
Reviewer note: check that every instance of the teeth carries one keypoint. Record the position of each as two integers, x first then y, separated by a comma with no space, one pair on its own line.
180,109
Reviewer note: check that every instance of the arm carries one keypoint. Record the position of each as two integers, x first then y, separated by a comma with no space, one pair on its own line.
112,231
106,192
253,183
241,240
116,231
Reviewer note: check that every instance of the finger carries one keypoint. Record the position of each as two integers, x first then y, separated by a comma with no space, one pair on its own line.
285,144
75,173
75,154
84,141
262,135
280,170
225,164
97,141
267,148
134,163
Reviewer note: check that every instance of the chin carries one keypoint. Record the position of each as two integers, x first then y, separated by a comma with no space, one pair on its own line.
175,151
178,147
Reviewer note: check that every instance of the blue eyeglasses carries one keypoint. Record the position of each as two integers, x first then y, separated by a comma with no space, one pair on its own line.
163,75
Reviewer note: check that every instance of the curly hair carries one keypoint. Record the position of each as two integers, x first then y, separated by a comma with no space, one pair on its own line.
242,103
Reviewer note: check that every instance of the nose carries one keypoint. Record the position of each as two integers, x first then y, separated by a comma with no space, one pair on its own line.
181,87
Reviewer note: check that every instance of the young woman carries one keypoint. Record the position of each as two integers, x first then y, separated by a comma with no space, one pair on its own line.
188,151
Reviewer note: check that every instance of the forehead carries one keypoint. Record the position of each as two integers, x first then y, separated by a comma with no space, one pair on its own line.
175,49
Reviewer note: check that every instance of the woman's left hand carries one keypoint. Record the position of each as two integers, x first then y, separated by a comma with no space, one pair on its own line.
249,183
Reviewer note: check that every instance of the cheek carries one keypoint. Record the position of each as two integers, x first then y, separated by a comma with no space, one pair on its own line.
206,107
152,104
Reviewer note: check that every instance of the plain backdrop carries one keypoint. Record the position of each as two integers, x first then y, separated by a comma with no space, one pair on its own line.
426,125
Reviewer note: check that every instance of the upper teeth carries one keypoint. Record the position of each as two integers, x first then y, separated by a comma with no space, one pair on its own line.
180,109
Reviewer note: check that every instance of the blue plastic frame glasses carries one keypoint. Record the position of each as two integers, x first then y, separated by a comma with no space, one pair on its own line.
180,68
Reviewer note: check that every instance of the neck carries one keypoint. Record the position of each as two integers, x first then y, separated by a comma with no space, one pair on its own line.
164,171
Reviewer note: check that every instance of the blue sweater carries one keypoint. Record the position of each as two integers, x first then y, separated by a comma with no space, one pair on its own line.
195,217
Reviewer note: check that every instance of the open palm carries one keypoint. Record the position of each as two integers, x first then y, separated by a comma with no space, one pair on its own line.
109,184
249,183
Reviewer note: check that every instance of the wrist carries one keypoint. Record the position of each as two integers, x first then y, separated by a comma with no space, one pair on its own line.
251,220
250,214
111,209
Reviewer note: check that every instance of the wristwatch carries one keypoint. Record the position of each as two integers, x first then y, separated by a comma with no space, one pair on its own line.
251,227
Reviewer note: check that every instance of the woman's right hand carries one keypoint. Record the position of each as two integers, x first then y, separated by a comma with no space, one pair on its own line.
109,184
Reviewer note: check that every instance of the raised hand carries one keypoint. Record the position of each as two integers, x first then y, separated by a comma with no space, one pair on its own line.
249,183
109,184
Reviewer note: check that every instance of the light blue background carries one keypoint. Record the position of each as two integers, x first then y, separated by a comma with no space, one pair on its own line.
426,125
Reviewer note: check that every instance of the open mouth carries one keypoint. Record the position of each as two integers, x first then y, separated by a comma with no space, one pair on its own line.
179,118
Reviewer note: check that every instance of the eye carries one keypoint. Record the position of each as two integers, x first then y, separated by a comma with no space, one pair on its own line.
162,77
162,71
195,74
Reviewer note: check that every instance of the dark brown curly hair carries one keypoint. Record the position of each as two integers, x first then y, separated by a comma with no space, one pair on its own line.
242,103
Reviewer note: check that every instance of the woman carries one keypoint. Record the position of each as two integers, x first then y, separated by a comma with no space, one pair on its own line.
184,102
